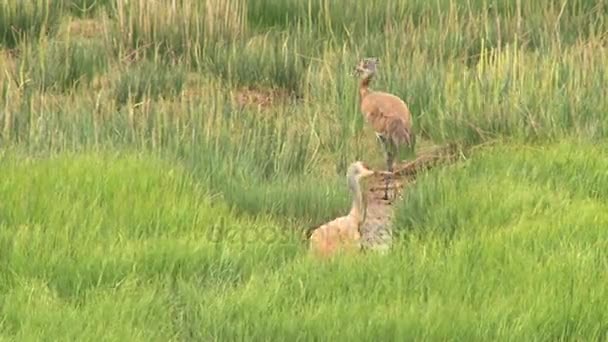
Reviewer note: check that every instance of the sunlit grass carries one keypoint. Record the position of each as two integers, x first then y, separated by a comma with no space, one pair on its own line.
96,236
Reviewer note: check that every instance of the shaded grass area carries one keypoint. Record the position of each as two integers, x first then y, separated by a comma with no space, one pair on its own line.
82,214
63,65
156,255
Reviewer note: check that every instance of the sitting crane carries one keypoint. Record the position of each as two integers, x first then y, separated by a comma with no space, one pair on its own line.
344,232
386,113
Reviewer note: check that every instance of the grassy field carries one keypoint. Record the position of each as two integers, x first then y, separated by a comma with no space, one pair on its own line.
160,161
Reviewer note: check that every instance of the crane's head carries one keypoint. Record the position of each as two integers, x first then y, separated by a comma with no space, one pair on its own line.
358,170
366,67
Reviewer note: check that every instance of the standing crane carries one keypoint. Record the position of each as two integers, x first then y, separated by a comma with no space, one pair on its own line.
387,114
345,231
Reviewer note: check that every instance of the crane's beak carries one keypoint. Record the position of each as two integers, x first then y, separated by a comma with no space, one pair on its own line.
383,173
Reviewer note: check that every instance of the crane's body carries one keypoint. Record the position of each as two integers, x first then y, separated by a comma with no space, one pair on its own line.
343,233
387,114
340,234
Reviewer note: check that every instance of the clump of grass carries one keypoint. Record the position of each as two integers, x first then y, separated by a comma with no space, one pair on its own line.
212,36
63,65
88,8
27,19
264,15
303,198
270,60
97,28
183,28
261,165
148,80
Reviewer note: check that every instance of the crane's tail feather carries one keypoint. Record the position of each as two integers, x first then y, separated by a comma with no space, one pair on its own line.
403,138
400,133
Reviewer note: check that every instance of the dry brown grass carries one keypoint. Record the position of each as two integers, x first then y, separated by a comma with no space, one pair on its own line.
8,61
84,28
226,16
259,97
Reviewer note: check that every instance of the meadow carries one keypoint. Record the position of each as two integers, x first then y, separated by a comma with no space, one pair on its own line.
160,161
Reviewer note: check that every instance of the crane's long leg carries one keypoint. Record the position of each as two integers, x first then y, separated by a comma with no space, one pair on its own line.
390,158
390,152
382,140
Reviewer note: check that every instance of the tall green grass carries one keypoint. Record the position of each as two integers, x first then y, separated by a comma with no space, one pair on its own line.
147,81
470,71
21,20
545,186
130,246
63,65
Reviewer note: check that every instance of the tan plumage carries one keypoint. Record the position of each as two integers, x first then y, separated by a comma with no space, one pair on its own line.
386,113
343,233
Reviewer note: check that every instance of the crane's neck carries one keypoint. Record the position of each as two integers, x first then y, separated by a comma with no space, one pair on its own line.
364,83
358,210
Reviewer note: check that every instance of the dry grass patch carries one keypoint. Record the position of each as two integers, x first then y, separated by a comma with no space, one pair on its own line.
260,97
84,28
